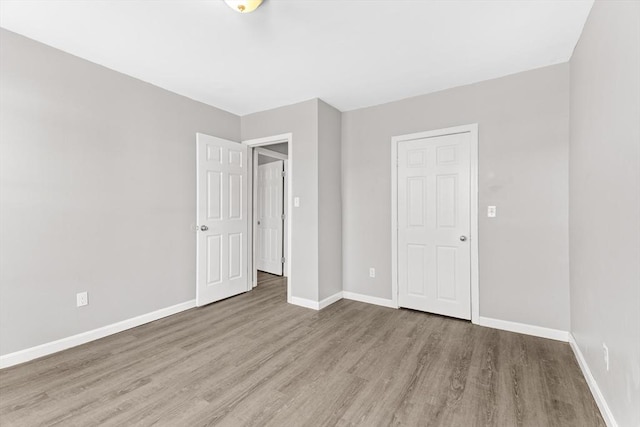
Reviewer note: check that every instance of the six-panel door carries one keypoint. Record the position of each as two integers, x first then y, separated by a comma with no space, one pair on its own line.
222,246
434,256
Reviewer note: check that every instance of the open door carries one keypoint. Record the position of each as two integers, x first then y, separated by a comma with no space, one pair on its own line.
222,243
270,217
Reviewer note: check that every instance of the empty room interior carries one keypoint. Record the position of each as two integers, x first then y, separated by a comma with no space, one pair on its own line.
312,212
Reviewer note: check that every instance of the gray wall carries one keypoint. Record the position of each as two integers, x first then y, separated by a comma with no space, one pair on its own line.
523,160
282,148
97,192
263,160
605,202
302,121
317,226
329,200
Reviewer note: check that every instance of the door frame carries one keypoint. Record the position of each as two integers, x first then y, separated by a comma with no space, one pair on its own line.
284,157
254,143
472,129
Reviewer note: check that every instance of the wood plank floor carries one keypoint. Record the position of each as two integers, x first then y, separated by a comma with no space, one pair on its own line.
256,360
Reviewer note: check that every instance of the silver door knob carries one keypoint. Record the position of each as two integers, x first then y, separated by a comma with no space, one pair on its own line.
463,238
204,228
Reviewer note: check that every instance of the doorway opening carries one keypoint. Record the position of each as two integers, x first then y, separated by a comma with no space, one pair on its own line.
270,208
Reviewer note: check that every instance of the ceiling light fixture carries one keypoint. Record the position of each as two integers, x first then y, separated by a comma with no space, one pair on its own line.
243,6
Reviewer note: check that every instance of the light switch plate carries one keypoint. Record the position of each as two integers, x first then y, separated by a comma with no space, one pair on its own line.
296,202
372,272
491,211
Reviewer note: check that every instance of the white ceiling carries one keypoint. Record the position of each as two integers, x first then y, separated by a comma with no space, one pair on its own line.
350,53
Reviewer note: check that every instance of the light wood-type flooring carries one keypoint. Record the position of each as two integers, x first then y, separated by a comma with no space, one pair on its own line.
256,360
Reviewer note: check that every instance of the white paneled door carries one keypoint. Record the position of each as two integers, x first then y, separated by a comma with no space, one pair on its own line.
434,254
222,245
270,217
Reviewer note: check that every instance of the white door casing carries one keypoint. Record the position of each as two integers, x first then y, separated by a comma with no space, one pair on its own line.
270,217
285,233
256,144
434,224
222,245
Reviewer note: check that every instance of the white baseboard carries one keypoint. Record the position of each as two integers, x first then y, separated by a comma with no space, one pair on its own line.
303,302
330,300
315,305
523,328
28,354
369,299
593,385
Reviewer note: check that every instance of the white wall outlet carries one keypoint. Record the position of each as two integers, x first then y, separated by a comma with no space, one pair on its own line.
605,351
491,211
296,202
82,299
372,272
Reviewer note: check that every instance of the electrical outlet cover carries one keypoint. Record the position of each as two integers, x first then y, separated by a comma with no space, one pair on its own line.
82,299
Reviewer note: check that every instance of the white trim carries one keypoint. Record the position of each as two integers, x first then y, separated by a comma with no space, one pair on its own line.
384,302
607,415
330,300
523,328
253,208
46,349
269,140
285,243
257,142
473,235
315,305
303,302
474,240
394,223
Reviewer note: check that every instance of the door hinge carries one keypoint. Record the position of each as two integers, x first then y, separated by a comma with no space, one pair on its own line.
284,216
284,173
282,260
